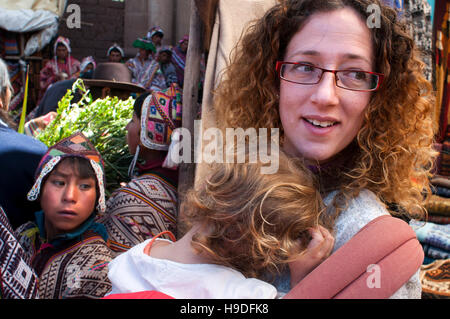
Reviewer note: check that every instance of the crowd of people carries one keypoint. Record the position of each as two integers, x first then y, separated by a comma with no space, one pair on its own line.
356,147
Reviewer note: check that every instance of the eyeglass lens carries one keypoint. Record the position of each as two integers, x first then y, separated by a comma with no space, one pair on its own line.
309,74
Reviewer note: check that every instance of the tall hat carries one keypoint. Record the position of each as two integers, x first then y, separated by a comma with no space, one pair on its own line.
76,145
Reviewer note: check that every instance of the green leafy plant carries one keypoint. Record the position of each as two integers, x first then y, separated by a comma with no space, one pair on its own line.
103,121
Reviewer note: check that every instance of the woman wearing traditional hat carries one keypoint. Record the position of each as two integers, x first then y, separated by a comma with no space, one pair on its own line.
147,205
62,67
179,53
87,67
140,63
156,34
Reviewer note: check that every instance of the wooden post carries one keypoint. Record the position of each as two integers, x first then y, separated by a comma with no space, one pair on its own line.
190,98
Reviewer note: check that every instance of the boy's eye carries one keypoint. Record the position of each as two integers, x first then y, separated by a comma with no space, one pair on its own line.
57,182
86,186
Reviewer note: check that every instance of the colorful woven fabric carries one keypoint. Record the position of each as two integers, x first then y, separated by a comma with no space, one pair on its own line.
432,234
76,268
17,279
138,68
146,206
37,125
435,253
438,219
179,60
438,205
161,115
76,145
435,279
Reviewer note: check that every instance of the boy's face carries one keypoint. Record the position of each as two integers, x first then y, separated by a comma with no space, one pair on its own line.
115,56
164,57
67,199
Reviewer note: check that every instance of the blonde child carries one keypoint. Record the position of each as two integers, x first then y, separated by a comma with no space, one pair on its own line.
245,227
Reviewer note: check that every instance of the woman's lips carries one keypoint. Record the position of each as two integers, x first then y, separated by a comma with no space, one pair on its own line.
321,126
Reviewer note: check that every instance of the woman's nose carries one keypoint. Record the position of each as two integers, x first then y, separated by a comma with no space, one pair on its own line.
325,92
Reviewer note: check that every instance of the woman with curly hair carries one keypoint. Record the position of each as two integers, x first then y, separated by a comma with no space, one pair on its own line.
348,97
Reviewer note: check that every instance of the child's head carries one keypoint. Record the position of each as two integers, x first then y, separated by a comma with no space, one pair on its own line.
250,221
69,184
68,195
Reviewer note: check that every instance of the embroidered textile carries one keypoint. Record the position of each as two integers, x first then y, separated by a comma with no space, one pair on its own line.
432,234
142,209
435,279
418,15
161,115
76,268
138,69
17,279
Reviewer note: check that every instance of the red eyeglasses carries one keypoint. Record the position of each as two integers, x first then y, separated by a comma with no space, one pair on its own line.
309,74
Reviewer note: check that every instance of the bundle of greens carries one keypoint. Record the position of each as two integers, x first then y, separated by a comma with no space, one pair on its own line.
103,121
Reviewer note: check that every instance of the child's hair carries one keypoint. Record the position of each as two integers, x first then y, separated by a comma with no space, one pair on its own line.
250,221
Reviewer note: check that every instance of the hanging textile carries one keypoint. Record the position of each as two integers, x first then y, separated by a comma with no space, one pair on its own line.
442,32
418,14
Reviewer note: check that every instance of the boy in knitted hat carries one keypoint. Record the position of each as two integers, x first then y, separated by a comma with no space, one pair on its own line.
68,249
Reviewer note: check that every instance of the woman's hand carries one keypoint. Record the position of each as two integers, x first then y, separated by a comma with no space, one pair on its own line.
319,248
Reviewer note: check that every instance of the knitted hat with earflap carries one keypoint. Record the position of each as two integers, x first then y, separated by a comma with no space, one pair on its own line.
66,42
160,118
76,145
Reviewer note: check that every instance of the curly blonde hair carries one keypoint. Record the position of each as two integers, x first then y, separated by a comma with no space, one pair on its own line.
394,145
252,222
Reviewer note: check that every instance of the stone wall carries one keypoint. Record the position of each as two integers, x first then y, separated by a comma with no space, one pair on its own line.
102,24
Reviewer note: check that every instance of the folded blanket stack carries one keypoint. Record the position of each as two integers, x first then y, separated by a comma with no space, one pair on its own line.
435,272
